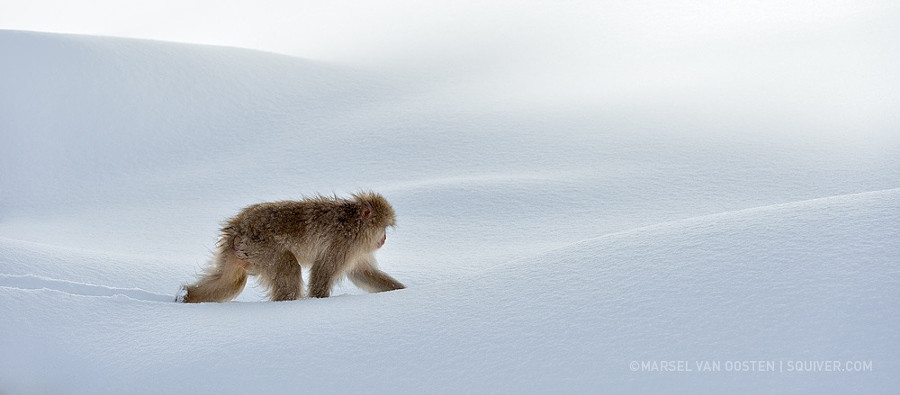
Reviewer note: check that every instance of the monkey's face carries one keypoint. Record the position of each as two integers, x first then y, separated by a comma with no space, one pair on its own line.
383,239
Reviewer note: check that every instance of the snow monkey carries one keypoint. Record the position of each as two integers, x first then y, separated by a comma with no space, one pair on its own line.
333,237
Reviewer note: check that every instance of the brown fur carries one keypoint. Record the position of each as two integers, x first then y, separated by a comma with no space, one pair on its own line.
334,237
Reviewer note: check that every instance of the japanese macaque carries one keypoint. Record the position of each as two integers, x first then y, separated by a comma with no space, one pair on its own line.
333,237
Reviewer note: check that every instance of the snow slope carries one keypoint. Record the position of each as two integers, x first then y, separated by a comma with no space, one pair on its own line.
547,244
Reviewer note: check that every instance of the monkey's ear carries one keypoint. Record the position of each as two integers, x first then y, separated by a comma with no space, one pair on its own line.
367,212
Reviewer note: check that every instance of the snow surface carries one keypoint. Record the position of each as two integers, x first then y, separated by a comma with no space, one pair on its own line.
745,209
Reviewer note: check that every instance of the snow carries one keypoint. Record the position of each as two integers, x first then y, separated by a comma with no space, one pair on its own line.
554,226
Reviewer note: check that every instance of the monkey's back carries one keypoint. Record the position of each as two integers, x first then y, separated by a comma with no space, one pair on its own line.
295,223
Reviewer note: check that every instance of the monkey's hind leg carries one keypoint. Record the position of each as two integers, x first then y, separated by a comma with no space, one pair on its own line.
221,281
284,278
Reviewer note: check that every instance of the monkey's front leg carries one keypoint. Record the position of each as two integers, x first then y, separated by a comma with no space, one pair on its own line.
366,276
373,280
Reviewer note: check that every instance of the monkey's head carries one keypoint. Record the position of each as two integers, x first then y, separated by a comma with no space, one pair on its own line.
375,211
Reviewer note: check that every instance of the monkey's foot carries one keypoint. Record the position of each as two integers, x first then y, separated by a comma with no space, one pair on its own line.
179,297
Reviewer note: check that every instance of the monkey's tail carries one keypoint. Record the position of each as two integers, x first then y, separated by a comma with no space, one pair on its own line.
223,279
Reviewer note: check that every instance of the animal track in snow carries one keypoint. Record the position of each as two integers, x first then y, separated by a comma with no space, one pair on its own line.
32,282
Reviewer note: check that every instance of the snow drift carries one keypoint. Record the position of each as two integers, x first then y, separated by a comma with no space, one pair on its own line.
545,247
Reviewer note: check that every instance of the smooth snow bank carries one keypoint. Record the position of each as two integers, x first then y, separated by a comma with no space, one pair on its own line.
546,244
110,143
814,280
